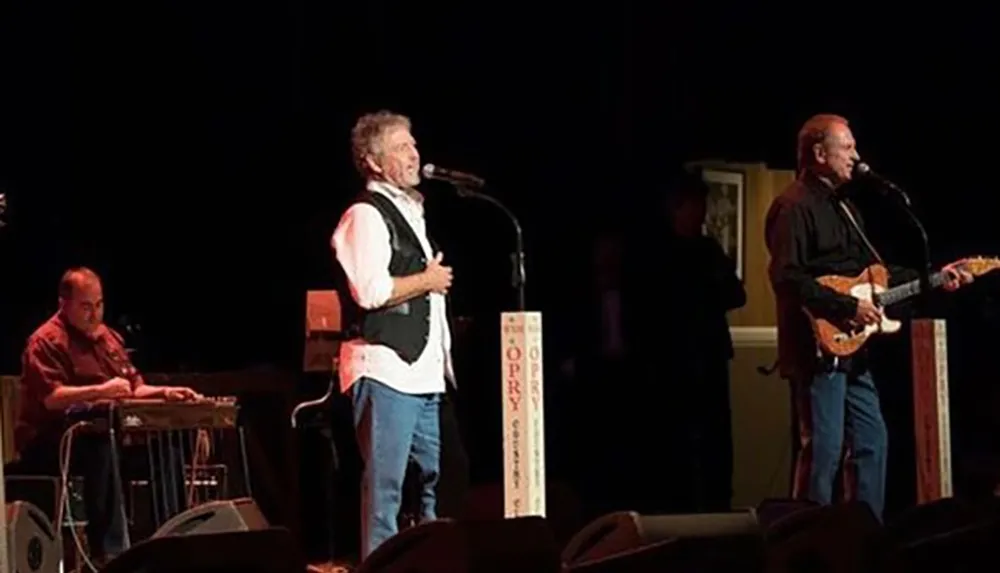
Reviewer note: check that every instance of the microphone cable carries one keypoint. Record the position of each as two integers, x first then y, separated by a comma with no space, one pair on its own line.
65,457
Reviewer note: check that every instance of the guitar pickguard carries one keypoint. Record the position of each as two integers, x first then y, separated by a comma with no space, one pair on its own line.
867,292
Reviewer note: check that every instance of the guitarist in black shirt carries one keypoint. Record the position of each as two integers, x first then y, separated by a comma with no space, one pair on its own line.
812,231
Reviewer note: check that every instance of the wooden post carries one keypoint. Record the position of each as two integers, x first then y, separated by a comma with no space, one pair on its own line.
523,414
4,547
7,414
932,423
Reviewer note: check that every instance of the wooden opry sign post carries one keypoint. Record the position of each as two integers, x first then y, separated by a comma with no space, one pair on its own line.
521,394
523,414
932,423
5,564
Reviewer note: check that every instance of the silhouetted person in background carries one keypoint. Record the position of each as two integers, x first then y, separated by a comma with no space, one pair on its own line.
599,368
699,286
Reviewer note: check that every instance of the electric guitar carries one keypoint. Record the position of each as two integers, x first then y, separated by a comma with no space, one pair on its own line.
873,285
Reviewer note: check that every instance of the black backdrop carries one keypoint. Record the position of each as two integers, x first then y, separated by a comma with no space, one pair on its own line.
196,155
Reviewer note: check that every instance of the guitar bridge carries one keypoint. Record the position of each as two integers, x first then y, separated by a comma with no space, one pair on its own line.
848,334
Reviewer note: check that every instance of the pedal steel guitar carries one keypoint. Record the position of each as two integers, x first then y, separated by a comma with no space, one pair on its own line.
167,429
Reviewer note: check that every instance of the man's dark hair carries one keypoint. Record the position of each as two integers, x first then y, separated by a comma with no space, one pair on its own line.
686,185
72,278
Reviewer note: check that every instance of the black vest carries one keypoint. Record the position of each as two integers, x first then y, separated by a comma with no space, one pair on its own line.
404,327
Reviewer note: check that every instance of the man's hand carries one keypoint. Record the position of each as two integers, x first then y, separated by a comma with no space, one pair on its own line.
437,275
116,388
867,313
957,276
180,394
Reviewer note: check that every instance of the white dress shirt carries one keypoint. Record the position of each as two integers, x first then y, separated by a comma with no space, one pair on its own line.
362,246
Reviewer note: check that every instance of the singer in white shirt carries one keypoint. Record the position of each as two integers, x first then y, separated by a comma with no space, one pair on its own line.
395,366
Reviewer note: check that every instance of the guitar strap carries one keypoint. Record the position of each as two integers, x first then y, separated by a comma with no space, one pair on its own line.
864,238
857,227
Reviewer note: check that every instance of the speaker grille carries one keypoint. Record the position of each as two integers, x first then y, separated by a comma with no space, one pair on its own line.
216,517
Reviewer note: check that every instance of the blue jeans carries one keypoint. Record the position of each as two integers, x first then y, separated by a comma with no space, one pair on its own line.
393,428
827,405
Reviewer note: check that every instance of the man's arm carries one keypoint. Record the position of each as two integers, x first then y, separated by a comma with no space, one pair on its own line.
173,393
361,244
44,369
788,240
145,391
140,389
405,288
116,348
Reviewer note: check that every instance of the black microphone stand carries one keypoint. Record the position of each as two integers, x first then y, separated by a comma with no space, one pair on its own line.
517,257
925,267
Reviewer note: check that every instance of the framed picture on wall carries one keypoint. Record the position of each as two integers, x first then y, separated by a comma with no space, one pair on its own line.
724,219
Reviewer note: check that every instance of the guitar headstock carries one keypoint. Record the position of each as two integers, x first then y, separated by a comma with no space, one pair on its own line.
978,266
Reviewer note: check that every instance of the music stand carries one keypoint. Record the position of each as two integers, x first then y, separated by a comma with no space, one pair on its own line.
323,335
322,343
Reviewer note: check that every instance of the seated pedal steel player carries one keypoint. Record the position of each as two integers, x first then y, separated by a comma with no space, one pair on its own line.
71,360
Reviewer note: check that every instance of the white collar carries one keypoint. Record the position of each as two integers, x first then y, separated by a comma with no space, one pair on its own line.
393,192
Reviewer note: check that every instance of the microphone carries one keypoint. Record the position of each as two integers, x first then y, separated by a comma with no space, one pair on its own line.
862,168
431,171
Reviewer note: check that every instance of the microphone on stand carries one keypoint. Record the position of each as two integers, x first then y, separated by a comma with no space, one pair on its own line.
466,180
865,170
465,184
885,187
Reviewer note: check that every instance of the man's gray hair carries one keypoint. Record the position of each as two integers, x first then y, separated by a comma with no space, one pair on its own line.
366,136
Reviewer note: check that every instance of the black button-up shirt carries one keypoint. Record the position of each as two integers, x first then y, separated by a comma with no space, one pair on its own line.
809,236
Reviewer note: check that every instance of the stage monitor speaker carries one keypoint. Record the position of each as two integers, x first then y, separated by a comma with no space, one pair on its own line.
967,549
624,532
523,544
843,537
272,550
32,540
684,555
771,512
216,517
939,517
945,535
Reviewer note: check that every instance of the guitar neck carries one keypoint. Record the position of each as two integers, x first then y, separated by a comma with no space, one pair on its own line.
909,289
